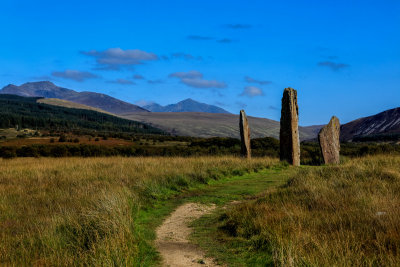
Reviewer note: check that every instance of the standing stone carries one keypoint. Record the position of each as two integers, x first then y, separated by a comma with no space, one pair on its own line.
244,135
329,141
289,132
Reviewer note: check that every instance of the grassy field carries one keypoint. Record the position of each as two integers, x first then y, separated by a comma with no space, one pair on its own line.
103,211
96,211
346,215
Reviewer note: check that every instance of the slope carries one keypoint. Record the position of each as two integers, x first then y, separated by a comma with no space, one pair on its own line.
25,112
200,124
50,90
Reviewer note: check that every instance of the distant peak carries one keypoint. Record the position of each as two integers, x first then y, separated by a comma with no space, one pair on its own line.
188,100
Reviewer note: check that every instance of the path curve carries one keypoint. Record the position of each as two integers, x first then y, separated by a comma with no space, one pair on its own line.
172,237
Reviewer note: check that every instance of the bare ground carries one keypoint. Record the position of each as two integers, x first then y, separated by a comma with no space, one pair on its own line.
172,237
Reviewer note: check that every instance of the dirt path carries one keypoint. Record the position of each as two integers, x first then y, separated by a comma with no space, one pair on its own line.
172,237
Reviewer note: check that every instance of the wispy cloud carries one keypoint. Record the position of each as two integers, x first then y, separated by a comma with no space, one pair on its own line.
200,83
241,104
138,77
252,80
332,65
114,58
273,107
199,38
252,91
122,82
208,38
193,74
238,26
40,78
186,56
225,41
195,79
75,75
158,81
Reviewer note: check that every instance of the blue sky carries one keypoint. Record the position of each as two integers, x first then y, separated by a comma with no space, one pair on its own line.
343,57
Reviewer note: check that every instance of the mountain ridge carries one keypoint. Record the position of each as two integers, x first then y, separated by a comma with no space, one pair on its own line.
186,105
50,90
382,123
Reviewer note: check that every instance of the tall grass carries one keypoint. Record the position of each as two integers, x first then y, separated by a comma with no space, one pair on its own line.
80,211
346,215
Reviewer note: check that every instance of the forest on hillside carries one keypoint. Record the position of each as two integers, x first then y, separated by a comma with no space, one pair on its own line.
25,112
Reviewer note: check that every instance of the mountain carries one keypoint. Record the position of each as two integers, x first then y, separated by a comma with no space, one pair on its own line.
68,104
154,107
50,90
187,105
386,123
201,124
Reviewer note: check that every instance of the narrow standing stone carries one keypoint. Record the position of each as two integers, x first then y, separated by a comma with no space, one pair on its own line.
329,141
289,132
244,135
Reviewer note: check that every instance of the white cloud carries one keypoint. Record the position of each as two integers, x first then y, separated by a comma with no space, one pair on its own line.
122,82
193,74
138,77
200,83
195,79
333,66
252,91
113,58
75,75
251,80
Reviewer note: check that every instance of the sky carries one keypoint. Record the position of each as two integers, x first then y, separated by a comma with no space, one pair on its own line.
342,57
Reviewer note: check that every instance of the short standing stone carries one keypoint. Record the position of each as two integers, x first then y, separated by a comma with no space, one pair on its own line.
289,131
244,135
329,141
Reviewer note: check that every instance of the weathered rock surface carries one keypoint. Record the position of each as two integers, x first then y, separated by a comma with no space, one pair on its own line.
244,135
289,131
329,141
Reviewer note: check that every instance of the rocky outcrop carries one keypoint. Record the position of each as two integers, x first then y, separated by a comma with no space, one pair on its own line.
289,131
329,141
244,135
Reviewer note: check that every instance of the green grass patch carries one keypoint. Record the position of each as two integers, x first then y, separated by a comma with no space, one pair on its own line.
219,192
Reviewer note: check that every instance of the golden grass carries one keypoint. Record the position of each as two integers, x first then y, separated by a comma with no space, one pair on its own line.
346,215
79,211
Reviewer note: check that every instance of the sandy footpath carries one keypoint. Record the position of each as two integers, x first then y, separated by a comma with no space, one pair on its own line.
172,237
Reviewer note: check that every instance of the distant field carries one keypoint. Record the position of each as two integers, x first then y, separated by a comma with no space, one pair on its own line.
11,133
81,140
211,124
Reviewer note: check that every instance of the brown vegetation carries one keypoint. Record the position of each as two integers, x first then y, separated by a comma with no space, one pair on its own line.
347,215
82,210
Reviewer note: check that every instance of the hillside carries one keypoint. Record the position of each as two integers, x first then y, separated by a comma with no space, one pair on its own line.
211,124
25,112
187,105
380,126
50,90
68,104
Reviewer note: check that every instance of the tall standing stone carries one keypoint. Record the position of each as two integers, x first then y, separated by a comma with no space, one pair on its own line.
289,131
244,135
329,141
